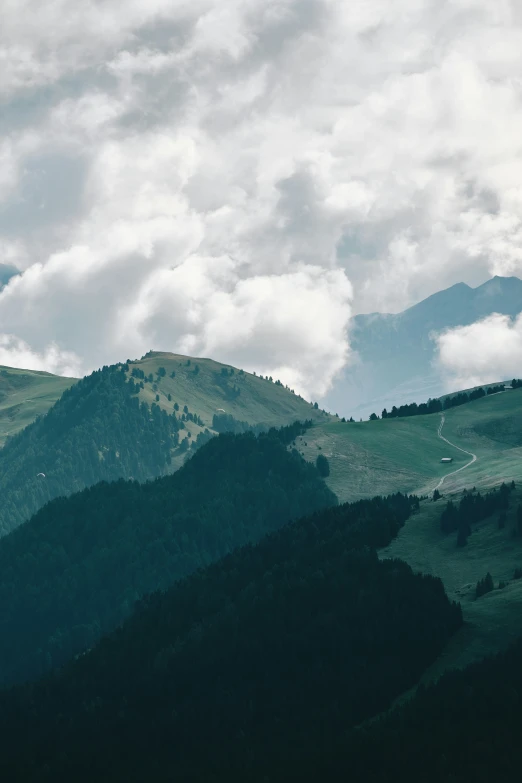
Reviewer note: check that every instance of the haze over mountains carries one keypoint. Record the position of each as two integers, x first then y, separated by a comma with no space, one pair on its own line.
395,353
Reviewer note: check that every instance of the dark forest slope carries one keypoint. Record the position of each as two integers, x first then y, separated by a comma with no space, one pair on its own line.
249,670
465,728
74,571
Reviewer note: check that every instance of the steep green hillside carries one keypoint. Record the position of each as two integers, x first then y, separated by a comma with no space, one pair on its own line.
246,671
107,426
493,620
380,456
210,389
491,428
25,395
74,571
404,454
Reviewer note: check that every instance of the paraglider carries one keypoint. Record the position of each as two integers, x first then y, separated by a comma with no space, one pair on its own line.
40,474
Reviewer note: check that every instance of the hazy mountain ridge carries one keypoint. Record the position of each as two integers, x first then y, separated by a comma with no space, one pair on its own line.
394,352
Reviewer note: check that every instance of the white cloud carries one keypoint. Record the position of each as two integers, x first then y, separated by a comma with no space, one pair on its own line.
208,177
16,353
291,326
484,352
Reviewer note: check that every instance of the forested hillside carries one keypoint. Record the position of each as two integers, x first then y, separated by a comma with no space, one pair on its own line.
74,571
136,420
251,669
97,430
198,389
465,728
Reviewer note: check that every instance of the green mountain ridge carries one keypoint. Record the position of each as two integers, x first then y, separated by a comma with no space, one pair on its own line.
403,454
106,426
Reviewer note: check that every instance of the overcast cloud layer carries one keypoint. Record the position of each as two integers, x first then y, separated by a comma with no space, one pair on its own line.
236,178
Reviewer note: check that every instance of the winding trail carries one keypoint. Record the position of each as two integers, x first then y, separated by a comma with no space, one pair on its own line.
441,436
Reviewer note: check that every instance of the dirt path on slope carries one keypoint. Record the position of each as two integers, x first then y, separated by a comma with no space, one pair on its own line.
441,436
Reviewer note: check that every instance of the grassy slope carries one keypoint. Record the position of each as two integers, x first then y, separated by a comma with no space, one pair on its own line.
26,394
378,457
259,402
492,429
492,621
375,457
369,458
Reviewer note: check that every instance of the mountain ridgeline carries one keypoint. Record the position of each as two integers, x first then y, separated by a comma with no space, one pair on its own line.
445,403
250,669
74,571
137,420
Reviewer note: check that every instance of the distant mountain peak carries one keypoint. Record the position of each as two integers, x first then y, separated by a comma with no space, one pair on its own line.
499,285
395,352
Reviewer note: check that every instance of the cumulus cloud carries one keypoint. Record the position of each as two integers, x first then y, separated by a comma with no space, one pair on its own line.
16,353
237,179
291,326
484,352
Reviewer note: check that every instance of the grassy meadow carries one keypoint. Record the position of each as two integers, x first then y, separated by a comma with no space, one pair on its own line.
26,394
215,388
491,621
378,457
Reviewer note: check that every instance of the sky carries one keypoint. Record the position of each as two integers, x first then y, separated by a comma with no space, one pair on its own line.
237,179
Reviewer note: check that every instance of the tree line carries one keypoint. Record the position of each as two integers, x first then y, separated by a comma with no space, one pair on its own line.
472,508
438,405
